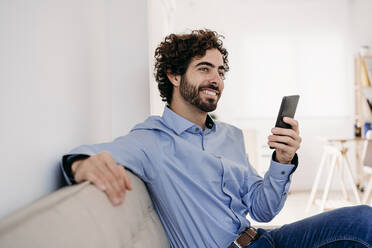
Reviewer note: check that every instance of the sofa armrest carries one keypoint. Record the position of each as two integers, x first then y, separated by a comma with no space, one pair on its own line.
82,216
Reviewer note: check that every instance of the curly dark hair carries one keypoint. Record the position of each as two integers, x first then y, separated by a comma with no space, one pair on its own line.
175,53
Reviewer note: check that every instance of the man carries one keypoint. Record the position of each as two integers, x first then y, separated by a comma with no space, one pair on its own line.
196,169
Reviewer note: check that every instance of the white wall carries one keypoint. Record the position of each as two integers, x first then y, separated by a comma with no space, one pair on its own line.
278,48
71,72
361,23
127,33
161,23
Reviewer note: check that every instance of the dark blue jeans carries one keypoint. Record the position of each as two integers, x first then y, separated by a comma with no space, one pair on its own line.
343,227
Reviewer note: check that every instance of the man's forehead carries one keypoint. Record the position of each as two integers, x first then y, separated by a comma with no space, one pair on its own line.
212,56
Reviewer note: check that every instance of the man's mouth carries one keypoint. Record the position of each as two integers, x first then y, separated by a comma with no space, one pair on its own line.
210,92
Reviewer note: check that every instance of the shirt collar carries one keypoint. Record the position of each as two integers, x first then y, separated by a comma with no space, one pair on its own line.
180,124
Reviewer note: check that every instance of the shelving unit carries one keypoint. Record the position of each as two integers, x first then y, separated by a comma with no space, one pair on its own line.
362,113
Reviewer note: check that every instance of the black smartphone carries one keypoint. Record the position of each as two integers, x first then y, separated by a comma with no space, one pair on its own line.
287,109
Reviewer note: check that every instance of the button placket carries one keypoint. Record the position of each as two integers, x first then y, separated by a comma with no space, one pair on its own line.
225,191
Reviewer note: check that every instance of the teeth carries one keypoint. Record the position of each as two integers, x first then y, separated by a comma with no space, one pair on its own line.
210,93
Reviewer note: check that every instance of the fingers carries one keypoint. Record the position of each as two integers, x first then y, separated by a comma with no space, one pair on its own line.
282,147
113,189
287,132
293,123
126,179
91,170
283,137
283,142
113,174
282,132
118,171
92,175
120,179
102,171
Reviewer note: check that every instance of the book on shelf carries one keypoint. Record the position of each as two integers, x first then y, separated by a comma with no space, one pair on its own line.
366,72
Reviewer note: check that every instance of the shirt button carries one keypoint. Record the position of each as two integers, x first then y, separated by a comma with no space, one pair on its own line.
196,129
283,172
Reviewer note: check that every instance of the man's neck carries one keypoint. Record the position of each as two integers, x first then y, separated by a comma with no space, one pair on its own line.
189,112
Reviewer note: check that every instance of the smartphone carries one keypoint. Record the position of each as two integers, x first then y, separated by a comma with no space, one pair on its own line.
287,109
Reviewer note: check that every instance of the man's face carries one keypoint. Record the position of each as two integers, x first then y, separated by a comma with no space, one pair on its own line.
202,84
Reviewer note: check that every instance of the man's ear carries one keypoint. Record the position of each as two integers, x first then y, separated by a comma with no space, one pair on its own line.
175,79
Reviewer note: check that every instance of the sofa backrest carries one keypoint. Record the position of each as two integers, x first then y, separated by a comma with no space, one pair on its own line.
82,216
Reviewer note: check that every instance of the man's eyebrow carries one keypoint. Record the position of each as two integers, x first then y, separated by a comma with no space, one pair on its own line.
221,67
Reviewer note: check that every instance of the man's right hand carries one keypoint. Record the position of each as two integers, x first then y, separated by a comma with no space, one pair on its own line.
102,171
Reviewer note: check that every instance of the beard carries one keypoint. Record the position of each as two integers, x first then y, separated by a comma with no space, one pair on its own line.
191,94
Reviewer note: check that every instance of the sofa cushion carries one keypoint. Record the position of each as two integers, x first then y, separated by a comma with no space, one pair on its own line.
82,216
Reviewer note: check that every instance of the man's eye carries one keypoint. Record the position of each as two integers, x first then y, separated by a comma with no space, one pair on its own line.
222,74
203,69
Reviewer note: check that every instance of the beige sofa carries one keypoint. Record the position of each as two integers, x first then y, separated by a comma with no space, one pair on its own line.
82,216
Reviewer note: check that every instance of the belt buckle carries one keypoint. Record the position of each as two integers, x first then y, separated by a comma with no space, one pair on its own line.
237,244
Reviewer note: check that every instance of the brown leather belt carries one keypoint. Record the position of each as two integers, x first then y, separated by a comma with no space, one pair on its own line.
245,238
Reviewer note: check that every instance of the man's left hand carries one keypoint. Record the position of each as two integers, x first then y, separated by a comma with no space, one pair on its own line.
285,141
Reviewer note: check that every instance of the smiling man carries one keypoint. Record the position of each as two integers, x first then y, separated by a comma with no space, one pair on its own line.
199,178
200,88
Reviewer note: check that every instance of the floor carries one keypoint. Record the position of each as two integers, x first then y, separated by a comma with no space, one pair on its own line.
294,208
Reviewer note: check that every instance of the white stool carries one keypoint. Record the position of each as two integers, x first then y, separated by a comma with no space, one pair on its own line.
367,192
333,157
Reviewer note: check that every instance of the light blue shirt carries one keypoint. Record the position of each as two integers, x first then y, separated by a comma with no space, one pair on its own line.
201,182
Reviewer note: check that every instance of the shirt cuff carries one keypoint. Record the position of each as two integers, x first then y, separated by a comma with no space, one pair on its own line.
66,164
282,171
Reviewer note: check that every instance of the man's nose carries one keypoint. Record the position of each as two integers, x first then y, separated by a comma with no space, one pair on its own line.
216,79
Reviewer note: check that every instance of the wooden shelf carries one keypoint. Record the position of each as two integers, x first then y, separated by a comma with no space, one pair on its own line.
362,112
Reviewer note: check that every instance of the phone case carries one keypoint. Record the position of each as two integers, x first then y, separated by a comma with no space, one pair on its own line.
287,109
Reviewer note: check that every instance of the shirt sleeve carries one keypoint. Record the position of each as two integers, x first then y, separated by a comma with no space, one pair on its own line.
265,197
127,151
